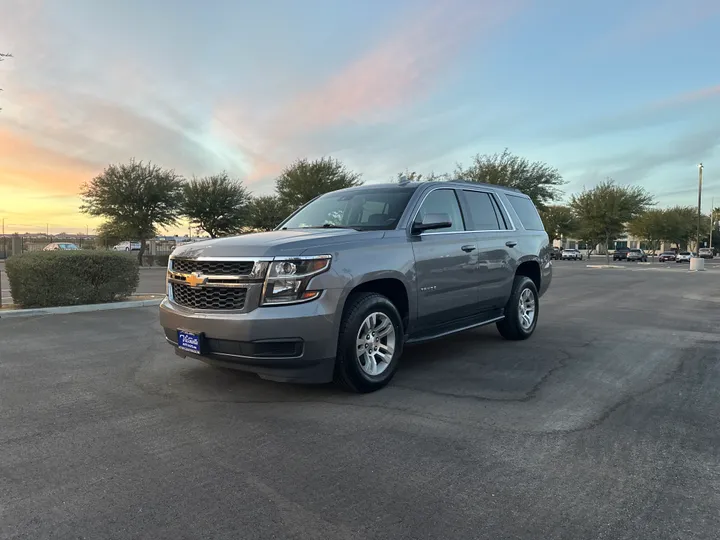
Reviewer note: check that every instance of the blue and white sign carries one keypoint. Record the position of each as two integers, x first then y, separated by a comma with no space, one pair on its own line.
188,341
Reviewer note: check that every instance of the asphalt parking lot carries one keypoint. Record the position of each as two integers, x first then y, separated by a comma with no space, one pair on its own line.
605,424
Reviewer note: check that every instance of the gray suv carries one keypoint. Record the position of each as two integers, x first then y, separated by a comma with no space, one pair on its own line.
338,289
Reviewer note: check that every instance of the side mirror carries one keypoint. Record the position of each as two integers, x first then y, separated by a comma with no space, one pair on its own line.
432,221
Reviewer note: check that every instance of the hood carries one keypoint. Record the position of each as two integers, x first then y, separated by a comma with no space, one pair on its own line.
274,243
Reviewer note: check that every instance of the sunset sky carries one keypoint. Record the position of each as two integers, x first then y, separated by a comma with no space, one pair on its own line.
629,90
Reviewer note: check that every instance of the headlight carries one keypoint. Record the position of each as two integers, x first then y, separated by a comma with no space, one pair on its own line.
287,279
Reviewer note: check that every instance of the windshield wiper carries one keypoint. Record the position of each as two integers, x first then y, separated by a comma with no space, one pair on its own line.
327,226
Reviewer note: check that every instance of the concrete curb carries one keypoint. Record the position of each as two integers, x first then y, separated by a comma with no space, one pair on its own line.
63,310
606,266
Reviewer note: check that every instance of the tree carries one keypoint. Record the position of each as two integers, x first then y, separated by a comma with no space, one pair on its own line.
304,180
536,179
651,226
216,204
559,221
414,176
4,56
605,210
111,233
265,213
680,225
136,198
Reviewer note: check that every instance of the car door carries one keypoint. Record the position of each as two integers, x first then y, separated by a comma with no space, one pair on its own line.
497,257
445,264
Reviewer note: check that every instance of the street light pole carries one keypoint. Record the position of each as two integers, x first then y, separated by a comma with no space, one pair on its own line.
700,172
712,220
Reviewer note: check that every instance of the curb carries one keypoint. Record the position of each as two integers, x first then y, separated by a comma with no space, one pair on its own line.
36,312
606,266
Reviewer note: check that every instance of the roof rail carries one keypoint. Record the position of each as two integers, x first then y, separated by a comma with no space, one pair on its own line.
485,184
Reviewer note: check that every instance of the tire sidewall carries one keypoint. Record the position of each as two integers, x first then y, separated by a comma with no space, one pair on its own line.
349,354
523,284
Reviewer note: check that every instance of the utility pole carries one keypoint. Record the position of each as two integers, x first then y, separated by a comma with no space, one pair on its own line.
700,172
712,220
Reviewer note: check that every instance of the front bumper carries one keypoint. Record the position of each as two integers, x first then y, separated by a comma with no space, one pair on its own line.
292,343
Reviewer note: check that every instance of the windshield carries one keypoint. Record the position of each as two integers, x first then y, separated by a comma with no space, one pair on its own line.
361,209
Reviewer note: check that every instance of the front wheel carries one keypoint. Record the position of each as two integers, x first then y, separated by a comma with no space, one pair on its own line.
521,310
370,343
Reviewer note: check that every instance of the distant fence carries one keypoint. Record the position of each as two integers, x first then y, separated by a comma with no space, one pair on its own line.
158,250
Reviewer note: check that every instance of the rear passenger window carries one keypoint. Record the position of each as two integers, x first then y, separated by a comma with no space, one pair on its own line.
482,211
527,213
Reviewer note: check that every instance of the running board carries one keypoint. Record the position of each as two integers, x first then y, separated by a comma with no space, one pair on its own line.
431,337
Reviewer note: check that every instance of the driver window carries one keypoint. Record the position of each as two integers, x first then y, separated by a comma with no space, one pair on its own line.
442,201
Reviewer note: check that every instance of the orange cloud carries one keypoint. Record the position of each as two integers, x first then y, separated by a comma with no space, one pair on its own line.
26,164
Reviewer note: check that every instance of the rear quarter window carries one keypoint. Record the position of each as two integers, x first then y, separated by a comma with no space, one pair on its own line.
526,211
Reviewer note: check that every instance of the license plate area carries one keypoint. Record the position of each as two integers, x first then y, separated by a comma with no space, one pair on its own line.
189,341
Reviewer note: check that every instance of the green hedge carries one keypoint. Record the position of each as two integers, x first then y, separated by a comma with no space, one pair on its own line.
66,278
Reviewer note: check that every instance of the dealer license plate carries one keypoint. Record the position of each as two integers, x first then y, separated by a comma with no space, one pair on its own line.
187,341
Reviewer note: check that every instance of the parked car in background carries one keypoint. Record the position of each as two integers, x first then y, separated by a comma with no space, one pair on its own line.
127,246
636,255
667,256
65,246
620,254
556,254
705,253
338,288
684,256
571,255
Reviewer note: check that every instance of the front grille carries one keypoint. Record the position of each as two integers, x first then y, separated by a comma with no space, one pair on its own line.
209,297
213,268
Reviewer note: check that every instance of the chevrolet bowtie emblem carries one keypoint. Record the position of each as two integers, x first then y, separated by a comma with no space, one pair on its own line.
196,279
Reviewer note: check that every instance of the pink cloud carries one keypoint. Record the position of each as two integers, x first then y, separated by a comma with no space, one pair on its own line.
402,69
688,97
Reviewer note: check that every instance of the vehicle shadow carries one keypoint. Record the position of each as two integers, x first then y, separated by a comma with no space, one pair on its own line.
476,363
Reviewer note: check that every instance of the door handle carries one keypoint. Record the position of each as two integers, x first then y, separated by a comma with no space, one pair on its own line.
468,248
511,243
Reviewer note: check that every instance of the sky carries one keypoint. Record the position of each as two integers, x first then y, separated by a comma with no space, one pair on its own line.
627,90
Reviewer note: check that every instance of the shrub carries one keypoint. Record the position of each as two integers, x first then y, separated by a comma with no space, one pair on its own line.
66,278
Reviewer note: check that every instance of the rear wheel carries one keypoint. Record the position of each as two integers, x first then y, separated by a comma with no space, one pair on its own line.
521,310
370,343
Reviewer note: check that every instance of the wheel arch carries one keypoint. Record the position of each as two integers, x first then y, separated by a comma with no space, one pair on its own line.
530,267
392,285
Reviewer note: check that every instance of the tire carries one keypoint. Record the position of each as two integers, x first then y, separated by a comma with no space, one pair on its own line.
510,327
350,373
